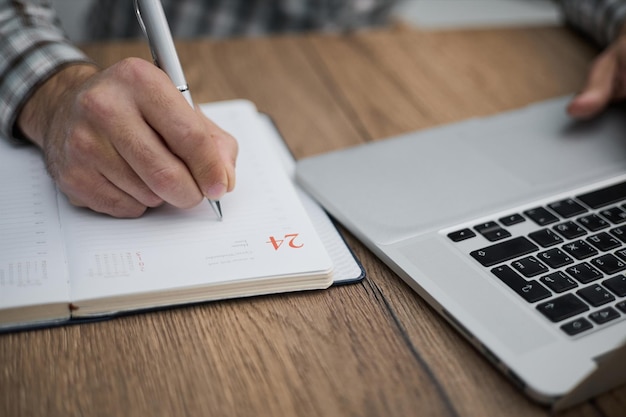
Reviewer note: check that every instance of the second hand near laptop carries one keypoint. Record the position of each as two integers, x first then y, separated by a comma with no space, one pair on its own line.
154,24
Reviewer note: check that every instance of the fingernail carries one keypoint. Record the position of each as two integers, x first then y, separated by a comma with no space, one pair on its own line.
215,192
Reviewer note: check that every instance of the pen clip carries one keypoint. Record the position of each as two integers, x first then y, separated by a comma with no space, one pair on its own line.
145,32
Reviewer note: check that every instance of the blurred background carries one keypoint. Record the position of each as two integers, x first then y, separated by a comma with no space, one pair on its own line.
425,14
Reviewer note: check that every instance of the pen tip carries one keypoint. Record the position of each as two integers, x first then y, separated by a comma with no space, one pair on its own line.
217,208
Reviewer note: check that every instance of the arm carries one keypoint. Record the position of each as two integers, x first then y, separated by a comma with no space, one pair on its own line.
122,139
600,19
606,80
32,49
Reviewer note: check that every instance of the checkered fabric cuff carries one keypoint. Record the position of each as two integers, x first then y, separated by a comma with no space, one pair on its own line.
600,19
30,57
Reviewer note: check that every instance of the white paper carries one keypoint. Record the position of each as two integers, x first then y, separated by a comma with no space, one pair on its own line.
32,259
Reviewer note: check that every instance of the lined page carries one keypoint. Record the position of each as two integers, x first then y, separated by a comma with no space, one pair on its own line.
265,231
32,260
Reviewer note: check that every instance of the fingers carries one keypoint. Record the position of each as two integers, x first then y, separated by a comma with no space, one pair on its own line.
227,148
157,167
89,188
601,87
205,150
93,175
128,140
101,196
587,105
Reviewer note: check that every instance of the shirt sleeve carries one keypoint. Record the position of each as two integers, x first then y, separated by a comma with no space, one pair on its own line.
33,47
600,19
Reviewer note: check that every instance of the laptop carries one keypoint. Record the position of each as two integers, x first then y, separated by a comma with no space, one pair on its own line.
512,226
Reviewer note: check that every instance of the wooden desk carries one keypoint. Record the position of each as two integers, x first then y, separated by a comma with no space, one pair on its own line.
373,348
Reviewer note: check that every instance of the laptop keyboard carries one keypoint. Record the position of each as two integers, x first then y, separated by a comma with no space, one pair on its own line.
569,263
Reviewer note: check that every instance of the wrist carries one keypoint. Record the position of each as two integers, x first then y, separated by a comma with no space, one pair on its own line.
36,116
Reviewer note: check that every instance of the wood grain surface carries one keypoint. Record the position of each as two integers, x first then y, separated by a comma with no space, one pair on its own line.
368,349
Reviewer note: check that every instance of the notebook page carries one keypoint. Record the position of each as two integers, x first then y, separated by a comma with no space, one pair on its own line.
346,268
265,231
32,260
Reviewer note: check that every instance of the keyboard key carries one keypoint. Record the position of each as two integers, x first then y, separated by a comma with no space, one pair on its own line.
595,295
555,258
545,238
562,307
461,235
559,282
621,306
608,264
593,222
584,273
604,196
529,267
605,315
617,285
504,251
492,231
541,216
577,326
480,228
567,208
530,291
621,254
579,249
496,234
619,232
614,214
512,219
570,230
603,241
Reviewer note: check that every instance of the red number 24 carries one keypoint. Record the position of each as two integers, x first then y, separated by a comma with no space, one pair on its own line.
290,238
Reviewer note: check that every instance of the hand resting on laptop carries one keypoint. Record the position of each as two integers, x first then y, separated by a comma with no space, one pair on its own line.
606,81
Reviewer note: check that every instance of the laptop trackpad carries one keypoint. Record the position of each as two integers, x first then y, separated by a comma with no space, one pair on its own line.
483,305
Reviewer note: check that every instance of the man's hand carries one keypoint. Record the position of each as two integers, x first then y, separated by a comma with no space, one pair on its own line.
606,82
124,139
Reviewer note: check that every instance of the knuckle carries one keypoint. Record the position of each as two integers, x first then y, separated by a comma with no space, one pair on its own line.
233,147
117,204
146,196
192,136
166,179
221,138
81,144
226,142
117,207
132,69
213,169
137,73
131,211
153,201
97,101
174,185
72,181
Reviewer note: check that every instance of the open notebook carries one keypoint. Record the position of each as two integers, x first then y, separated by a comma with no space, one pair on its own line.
60,263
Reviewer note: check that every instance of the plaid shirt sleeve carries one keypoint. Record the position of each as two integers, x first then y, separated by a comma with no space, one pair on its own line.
32,48
600,19
227,18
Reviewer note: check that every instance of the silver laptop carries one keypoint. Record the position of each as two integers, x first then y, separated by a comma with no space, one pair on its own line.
513,227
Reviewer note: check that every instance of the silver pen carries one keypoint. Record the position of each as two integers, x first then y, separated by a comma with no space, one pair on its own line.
154,24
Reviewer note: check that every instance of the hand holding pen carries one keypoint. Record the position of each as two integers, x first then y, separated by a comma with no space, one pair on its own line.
123,139
152,19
